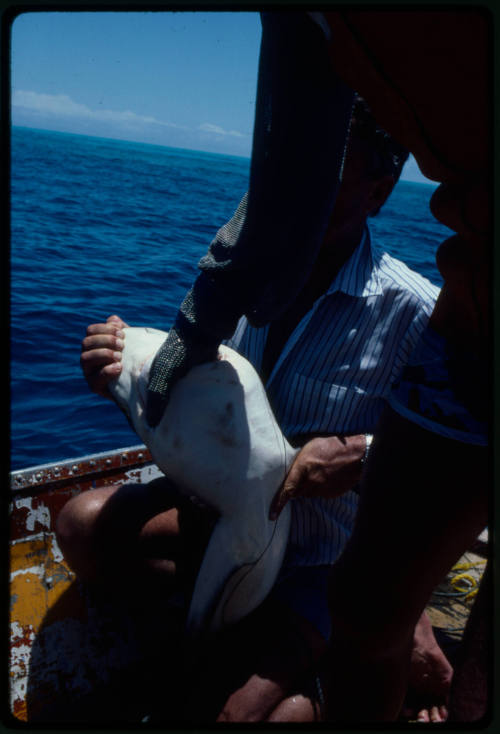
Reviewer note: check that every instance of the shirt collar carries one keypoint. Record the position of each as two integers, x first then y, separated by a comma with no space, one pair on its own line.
359,276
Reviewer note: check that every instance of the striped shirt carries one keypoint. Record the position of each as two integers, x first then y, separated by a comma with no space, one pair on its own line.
335,372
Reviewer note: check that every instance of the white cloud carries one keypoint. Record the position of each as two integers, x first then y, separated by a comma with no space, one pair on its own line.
61,105
207,127
61,112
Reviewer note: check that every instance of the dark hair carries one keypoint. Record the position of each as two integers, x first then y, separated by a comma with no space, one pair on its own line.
384,154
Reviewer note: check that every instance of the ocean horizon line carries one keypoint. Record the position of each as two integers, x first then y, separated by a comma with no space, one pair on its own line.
127,140
101,226
247,159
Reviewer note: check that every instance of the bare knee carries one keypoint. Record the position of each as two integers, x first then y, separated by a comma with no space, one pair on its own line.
76,532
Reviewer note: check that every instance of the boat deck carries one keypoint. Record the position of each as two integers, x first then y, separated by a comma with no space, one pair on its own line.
78,658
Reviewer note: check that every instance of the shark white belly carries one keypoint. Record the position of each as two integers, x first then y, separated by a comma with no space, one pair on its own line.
218,440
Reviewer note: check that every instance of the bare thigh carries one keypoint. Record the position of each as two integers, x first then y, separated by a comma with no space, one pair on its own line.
143,535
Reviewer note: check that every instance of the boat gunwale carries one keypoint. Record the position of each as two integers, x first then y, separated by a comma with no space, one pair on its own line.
38,477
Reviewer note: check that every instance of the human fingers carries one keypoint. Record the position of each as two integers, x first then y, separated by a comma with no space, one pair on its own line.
113,341
99,352
110,327
99,366
116,320
98,382
288,489
93,360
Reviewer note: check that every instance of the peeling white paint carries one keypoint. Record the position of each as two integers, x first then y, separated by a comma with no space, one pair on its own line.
66,659
17,631
19,660
29,538
36,570
56,551
40,514
18,690
19,663
143,474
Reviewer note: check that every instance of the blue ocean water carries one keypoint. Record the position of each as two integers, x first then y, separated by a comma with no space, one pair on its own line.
103,226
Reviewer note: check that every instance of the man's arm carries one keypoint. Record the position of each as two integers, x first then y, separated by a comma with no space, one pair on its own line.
260,260
326,466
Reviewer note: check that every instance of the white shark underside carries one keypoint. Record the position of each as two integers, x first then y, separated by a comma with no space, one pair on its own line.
217,440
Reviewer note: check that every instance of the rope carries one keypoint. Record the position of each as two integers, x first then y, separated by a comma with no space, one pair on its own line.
471,587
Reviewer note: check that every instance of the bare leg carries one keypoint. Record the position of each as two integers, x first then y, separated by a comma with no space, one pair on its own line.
418,521
255,665
141,542
429,680
137,539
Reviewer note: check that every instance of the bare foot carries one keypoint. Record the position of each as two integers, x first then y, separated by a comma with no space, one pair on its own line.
430,677
101,354
384,674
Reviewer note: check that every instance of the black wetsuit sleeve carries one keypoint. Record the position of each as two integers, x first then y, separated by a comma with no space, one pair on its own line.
259,261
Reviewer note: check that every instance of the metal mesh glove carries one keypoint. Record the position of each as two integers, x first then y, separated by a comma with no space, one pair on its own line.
260,260
205,317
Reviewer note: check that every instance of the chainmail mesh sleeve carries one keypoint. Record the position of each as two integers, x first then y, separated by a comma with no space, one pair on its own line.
259,261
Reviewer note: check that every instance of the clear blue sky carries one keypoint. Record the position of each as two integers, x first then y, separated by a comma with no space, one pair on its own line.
185,79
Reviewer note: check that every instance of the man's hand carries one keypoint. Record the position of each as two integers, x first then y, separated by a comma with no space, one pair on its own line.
325,467
100,359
